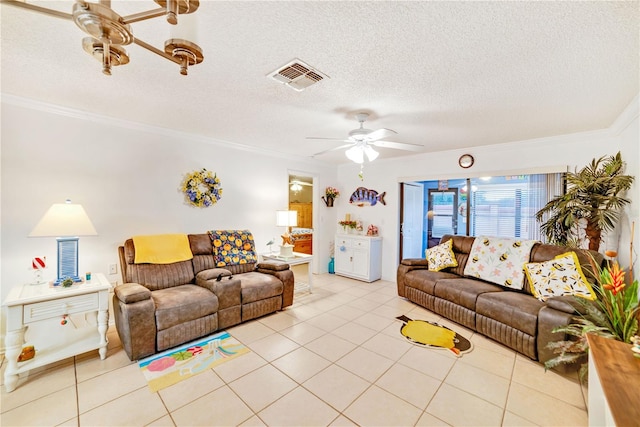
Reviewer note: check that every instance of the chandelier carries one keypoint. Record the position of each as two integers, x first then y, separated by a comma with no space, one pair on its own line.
110,32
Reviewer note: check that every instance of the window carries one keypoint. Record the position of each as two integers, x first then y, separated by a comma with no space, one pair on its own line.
503,206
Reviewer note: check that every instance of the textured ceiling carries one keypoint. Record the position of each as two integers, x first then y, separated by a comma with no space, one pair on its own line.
441,74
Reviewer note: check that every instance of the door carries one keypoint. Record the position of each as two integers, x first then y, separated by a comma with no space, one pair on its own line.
301,201
442,215
412,220
360,262
343,258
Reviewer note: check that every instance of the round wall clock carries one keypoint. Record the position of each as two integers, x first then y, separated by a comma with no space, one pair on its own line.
465,161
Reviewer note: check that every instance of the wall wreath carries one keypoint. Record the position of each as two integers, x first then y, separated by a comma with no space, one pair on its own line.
202,188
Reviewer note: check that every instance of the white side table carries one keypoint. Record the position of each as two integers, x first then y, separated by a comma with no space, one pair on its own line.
297,259
28,304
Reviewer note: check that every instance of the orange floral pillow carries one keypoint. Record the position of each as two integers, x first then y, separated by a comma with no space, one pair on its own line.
232,247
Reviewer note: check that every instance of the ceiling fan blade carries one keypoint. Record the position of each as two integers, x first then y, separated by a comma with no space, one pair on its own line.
333,149
380,133
398,145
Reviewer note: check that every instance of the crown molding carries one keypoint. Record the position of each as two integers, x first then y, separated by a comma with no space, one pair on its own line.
628,115
141,127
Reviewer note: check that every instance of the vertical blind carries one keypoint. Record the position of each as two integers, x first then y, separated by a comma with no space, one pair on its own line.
508,208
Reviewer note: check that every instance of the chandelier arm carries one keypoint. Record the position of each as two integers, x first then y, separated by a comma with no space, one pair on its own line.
172,12
106,58
157,51
40,9
141,16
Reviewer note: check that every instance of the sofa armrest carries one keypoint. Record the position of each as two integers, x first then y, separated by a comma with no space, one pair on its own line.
284,274
134,313
129,293
228,289
272,266
548,320
212,273
407,265
417,262
568,304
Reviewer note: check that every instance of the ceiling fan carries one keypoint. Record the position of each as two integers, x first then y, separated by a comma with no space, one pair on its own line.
296,185
361,140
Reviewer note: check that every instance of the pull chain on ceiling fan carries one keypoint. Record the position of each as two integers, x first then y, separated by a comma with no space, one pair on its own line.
361,140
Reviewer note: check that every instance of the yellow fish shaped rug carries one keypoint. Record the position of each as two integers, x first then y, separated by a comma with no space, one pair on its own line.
433,335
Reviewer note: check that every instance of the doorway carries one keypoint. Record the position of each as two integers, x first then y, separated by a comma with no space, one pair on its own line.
301,201
442,214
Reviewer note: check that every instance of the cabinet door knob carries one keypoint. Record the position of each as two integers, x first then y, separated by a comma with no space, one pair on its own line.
342,249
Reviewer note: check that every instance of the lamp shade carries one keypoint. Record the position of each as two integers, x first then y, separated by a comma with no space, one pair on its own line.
355,154
64,219
286,218
371,153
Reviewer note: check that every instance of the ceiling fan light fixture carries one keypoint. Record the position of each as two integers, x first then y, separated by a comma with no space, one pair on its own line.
355,154
371,153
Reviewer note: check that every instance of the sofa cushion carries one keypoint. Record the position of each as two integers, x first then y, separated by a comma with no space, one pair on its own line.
463,291
558,277
441,256
425,280
160,276
514,309
258,286
233,247
181,304
499,260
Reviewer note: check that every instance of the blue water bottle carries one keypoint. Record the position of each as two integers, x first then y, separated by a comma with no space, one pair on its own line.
331,266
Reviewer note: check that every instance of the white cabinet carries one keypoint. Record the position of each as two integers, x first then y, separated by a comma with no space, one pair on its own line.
358,257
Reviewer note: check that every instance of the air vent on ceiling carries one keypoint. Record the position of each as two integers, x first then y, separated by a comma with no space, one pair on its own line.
298,75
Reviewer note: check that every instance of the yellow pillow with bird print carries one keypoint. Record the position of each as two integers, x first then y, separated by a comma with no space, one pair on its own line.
441,256
558,277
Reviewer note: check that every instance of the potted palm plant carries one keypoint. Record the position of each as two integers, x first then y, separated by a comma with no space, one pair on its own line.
592,198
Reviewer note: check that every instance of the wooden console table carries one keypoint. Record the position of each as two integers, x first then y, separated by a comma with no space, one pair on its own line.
614,383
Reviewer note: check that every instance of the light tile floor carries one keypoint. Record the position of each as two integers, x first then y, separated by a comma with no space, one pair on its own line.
335,358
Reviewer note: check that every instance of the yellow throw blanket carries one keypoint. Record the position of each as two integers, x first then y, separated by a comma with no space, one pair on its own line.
162,248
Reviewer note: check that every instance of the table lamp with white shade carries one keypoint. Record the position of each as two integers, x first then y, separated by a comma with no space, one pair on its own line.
286,219
65,221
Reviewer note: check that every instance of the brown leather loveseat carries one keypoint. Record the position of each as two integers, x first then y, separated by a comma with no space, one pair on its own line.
514,318
160,306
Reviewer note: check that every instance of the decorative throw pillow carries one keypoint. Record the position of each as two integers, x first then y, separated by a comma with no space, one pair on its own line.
232,247
441,256
557,277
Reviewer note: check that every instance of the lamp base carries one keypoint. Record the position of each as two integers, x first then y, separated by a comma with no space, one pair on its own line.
286,250
37,277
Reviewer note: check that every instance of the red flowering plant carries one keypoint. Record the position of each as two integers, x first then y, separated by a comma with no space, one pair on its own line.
618,302
614,314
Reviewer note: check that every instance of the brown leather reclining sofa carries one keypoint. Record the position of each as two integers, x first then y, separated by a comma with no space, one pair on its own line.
160,306
514,318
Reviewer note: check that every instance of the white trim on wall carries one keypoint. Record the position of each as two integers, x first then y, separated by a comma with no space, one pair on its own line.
142,127
463,174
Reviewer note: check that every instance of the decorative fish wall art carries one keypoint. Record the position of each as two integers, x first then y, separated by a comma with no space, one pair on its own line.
365,197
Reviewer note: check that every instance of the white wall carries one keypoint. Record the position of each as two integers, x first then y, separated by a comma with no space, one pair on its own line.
572,151
127,177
